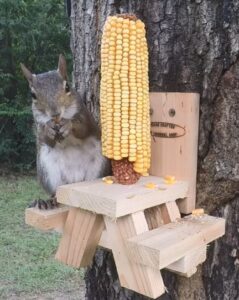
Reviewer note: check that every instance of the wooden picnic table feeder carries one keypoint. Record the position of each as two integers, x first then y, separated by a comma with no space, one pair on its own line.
141,223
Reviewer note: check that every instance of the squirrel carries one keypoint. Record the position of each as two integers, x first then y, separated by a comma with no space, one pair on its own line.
67,136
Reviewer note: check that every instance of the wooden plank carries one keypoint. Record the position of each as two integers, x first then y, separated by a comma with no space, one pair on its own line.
117,200
153,217
174,149
53,219
105,241
162,214
170,212
142,279
160,247
187,265
80,238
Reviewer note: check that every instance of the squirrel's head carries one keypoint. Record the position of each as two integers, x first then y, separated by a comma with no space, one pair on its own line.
51,93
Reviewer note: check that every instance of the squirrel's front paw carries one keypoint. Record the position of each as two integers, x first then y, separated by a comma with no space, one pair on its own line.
65,127
50,130
44,204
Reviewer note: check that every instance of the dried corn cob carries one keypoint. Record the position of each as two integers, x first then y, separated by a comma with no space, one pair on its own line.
124,95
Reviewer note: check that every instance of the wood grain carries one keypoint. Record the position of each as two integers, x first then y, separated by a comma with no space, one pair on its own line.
53,219
142,279
160,247
118,200
176,156
187,266
80,238
170,212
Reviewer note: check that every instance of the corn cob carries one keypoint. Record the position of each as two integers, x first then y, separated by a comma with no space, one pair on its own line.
124,95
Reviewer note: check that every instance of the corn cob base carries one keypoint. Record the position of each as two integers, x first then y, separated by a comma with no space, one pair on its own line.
123,171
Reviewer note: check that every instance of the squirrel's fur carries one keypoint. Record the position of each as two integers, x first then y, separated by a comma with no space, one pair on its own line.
68,139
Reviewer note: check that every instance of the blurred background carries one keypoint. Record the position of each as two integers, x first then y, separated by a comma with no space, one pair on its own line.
34,33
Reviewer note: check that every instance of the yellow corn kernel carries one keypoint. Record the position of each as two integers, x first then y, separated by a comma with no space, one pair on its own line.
124,97
198,212
169,179
150,185
108,179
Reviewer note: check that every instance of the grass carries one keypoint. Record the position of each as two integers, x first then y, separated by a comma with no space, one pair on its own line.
27,265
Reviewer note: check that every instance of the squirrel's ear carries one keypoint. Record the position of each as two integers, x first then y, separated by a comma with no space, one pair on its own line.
62,68
26,73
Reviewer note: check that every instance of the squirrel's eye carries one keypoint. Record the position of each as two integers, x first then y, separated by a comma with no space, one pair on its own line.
33,95
67,88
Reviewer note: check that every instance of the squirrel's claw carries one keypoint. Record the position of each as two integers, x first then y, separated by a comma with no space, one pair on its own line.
44,204
65,128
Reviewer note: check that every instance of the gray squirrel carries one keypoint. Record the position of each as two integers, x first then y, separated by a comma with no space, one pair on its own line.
68,138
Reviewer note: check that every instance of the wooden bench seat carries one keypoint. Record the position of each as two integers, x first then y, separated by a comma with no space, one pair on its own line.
161,247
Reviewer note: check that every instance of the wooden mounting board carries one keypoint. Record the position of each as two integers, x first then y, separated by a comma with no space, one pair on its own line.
174,129
117,200
160,247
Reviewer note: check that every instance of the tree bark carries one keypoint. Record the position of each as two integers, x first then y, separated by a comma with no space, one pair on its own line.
193,47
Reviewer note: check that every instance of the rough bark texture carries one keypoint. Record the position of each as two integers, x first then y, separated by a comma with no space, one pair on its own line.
193,46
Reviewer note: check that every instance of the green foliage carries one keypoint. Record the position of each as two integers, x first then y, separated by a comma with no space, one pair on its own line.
35,33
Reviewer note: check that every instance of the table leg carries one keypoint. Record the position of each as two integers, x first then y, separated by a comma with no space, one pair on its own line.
81,235
142,279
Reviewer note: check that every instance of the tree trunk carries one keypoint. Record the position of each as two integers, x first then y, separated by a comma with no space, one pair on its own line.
193,47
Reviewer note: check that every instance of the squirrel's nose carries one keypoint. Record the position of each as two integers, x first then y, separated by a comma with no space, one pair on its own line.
56,117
